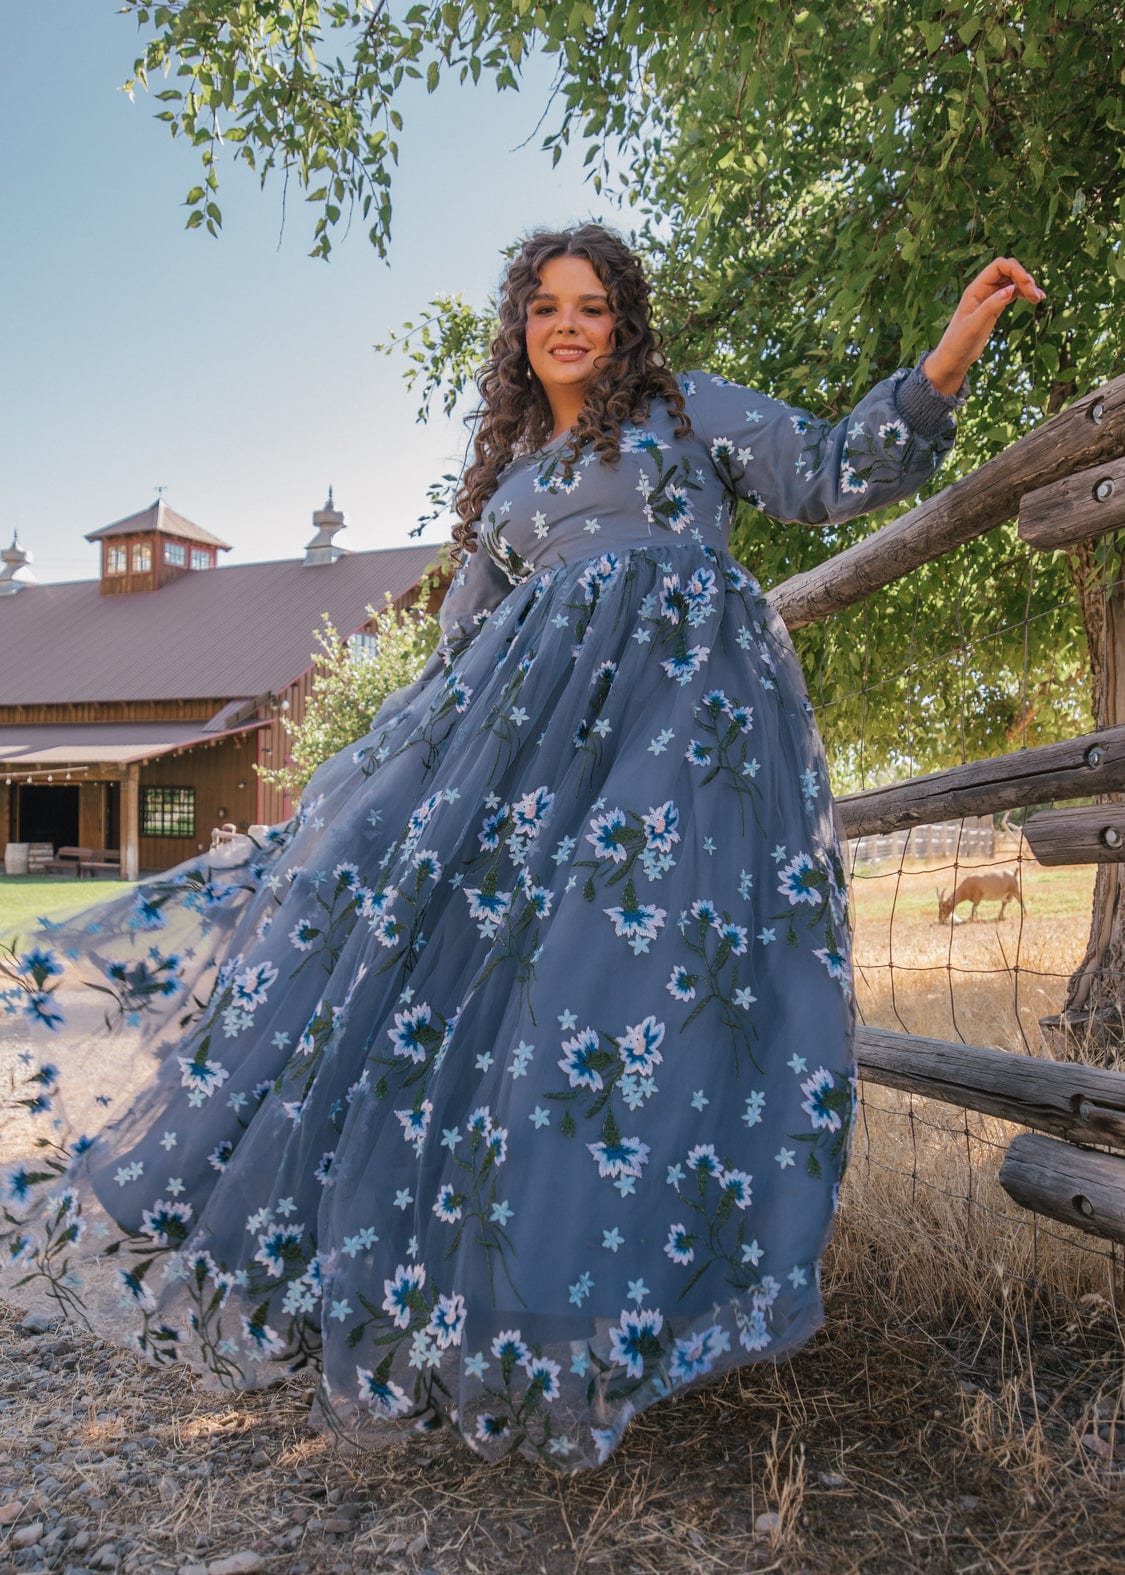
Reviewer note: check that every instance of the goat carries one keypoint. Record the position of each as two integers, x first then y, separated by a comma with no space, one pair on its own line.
985,886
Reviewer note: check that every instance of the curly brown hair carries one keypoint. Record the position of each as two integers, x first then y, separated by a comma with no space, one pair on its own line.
514,416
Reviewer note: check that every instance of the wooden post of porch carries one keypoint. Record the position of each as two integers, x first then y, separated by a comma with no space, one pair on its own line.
130,822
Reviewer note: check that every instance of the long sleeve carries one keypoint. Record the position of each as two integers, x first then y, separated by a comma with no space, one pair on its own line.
477,587
795,466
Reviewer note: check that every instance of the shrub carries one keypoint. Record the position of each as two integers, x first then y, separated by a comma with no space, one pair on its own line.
350,686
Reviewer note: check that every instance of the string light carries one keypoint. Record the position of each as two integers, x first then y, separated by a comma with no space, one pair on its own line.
21,778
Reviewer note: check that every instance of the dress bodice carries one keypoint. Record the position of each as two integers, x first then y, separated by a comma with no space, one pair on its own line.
548,510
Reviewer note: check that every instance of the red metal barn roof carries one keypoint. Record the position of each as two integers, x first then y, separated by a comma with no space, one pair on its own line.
244,629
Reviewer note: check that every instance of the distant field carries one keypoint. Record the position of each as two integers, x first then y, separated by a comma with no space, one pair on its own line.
985,982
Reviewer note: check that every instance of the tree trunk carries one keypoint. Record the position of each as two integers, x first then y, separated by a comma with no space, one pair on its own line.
1092,1022
1093,1019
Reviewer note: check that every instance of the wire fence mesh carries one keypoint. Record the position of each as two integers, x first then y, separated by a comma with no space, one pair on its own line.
982,652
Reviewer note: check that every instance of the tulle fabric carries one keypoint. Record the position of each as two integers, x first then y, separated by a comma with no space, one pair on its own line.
509,1087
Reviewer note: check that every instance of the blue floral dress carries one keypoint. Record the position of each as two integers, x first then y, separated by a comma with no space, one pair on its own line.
510,1086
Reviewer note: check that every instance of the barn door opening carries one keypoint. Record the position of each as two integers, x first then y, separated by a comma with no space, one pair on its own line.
48,814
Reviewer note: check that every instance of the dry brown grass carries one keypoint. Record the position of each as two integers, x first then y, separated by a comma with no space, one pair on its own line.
963,1410
984,982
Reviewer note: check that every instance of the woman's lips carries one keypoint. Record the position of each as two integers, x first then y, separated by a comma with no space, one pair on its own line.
568,353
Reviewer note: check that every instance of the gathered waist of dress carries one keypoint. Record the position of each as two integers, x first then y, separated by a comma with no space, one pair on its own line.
578,550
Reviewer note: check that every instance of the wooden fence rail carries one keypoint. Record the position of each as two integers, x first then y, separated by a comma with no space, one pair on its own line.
1085,1104
1076,768
1071,1184
1092,834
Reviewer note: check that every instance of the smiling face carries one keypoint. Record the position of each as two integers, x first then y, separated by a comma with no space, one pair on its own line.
569,332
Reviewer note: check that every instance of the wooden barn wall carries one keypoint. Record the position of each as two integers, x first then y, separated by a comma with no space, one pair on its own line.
115,711
273,805
91,821
214,771
129,581
273,750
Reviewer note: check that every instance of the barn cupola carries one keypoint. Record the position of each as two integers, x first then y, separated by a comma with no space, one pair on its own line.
322,548
145,551
17,572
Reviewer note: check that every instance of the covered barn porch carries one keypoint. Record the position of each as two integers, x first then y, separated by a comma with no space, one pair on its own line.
150,792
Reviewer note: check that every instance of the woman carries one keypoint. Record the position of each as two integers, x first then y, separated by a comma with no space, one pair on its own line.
511,1085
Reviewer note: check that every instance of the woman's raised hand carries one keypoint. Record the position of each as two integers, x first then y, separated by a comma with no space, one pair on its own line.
978,311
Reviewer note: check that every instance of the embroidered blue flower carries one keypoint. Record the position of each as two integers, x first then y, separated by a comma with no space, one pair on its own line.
401,1292
680,1245
638,923
800,880
578,1056
447,1321
684,666
634,1339
639,1047
634,440
623,1157
384,1397
408,1034
817,1101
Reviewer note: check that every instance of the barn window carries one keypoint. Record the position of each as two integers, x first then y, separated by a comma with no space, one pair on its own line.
362,646
168,812
200,559
115,560
142,557
174,553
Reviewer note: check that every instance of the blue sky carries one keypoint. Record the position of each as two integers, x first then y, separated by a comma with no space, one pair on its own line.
237,373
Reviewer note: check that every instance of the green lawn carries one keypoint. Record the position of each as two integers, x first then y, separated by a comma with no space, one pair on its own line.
23,898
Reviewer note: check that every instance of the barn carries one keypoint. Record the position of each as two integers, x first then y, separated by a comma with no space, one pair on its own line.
134,707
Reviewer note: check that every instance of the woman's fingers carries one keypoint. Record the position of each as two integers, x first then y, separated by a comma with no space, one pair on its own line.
1014,282
969,332
1004,280
1000,273
995,303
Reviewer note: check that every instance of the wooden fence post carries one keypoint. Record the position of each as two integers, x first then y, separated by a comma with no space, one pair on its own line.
130,823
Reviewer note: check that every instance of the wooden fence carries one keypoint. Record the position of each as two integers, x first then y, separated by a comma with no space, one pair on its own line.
1065,481
972,837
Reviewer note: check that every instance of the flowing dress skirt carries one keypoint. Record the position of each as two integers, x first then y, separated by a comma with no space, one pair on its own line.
509,1087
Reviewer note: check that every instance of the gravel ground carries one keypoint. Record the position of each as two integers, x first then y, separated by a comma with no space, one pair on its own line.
106,1465
870,1454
